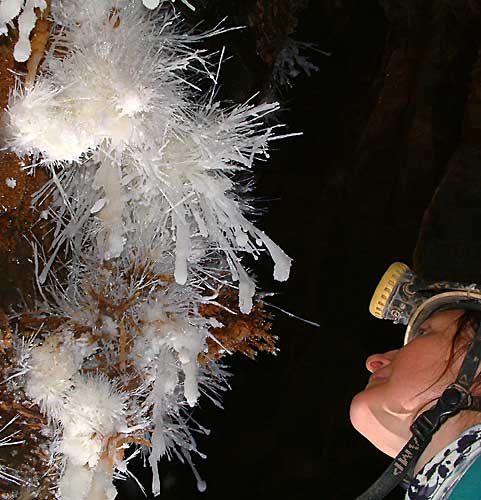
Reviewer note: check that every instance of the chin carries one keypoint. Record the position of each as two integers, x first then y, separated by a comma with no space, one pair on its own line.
364,420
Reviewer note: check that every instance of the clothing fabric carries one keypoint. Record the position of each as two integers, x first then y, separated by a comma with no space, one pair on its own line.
439,477
467,488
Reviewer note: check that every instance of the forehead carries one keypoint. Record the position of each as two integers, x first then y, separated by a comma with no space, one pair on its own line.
444,318
440,308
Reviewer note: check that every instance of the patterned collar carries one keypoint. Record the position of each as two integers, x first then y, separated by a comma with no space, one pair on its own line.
436,479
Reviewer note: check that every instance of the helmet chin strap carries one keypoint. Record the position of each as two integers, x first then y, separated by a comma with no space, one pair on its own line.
456,397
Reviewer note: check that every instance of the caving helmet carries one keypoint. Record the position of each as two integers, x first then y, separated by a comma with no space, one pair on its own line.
404,298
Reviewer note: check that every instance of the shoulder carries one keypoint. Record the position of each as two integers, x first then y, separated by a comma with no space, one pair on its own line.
442,475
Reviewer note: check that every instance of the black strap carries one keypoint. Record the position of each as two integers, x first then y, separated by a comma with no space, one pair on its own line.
455,397
398,470
471,361
475,404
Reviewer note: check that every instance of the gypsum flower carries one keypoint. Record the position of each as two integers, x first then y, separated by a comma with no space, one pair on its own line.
186,188
177,398
169,337
76,482
94,410
182,338
193,173
109,81
52,366
71,12
229,140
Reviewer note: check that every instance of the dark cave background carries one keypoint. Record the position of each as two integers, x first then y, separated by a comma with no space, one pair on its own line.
393,108
395,105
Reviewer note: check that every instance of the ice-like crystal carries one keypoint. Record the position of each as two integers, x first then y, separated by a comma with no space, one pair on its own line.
148,211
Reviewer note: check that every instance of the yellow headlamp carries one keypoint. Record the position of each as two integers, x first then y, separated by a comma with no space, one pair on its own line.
404,298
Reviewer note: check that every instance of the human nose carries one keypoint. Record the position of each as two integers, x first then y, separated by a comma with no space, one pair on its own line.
377,361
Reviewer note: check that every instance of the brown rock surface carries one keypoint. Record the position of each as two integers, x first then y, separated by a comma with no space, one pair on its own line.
17,218
19,224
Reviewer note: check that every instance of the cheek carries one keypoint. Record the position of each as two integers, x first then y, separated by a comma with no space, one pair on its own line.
412,389
420,375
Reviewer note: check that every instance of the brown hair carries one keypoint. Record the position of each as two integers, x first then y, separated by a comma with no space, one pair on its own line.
468,320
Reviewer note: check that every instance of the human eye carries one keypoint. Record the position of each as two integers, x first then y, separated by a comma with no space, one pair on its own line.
422,330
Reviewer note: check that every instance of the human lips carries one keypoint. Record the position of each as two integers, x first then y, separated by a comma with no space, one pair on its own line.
379,375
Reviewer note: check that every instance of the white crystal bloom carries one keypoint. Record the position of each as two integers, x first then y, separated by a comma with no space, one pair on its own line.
194,170
38,126
102,487
75,482
119,96
176,336
93,411
80,482
104,91
146,201
52,367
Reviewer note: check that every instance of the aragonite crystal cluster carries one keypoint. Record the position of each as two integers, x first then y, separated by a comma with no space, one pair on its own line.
141,281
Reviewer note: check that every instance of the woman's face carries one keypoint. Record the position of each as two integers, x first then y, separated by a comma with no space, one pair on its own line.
404,382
